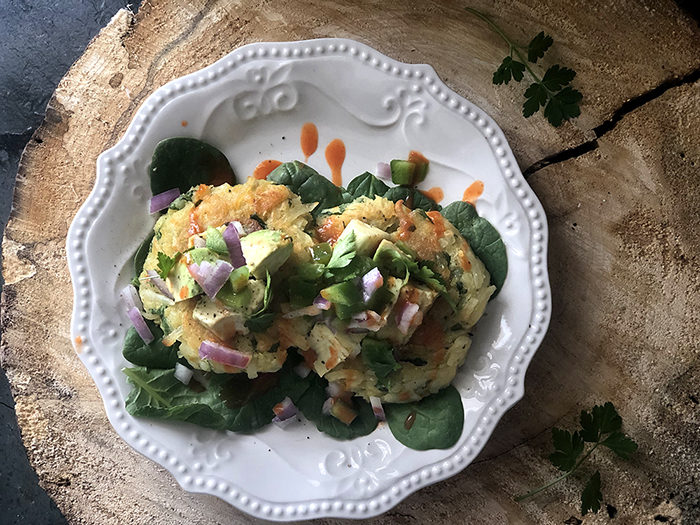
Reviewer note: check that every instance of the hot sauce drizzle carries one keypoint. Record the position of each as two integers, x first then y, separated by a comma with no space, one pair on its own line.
417,157
263,169
335,156
309,139
438,222
193,225
435,193
473,192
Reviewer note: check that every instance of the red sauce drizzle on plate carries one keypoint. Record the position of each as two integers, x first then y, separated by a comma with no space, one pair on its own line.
263,169
308,139
473,192
335,156
435,193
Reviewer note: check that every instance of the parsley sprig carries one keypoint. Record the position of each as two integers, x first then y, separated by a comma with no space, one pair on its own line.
600,426
551,92
165,263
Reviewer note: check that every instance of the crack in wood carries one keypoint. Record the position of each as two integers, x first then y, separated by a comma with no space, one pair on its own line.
523,442
608,125
153,68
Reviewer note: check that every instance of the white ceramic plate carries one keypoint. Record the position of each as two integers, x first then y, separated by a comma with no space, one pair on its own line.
252,104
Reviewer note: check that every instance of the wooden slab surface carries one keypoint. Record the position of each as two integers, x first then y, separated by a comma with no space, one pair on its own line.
623,210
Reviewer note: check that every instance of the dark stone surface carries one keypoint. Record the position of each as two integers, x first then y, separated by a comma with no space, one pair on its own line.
39,40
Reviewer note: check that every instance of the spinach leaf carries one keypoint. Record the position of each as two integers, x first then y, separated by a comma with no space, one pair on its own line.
183,162
311,405
141,254
367,185
379,358
152,355
257,412
158,394
483,238
437,420
412,198
231,402
260,323
308,184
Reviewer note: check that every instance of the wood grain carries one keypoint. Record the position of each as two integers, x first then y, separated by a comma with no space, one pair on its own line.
623,258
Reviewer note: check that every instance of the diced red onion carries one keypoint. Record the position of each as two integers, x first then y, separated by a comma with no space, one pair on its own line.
282,423
130,298
377,408
285,409
233,243
163,200
369,320
201,377
328,319
406,315
182,373
371,282
254,226
307,310
140,325
384,171
211,277
327,405
239,227
223,354
302,370
357,330
170,338
322,303
334,389
159,283
199,242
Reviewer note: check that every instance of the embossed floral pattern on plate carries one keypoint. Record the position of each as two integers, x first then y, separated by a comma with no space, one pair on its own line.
251,104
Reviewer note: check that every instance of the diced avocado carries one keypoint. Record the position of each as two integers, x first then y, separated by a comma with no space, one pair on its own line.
331,348
391,257
218,319
197,255
239,278
227,315
248,300
402,172
181,283
367,237
265,251
215,241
